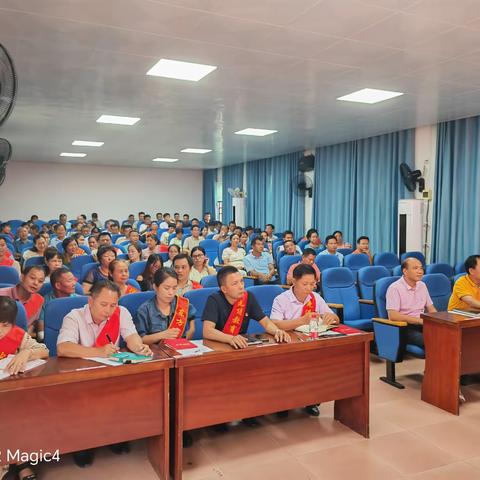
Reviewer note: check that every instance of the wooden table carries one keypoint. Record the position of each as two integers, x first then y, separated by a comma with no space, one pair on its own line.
452,349
76,404
229,384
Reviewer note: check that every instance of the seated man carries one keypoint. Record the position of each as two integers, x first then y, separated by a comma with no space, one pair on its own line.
298,306
288,237
95,331
331,248
192,241
16,342
466,291
407,298
106,239
228,312
182,264
363,246
125,232
308,258
164,238
26,292
259,264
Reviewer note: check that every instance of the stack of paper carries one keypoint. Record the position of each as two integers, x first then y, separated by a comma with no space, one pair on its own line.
5,361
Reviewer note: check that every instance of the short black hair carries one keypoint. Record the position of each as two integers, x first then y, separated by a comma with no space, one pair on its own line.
8,310
310,231
363,237
56,274
224,272
270,225
303,269
28,269
198,248
162,274
105,234
179,230
405,262
309,251
471,262
287,232
103,249
337,231
182,256
330,237
97,287
174,245
165,214
255,240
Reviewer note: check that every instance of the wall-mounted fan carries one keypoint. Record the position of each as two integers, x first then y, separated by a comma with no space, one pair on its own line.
8,84
411,177
5,154
303,185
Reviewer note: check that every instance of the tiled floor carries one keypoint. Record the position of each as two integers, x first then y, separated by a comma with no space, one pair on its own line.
409,440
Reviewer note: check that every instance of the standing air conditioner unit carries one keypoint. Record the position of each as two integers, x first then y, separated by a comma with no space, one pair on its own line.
410,226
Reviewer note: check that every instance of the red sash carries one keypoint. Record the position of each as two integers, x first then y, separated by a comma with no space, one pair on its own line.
11,342
7,262
130,289
180,316
196,285
310,306
235,319
111,328
33,306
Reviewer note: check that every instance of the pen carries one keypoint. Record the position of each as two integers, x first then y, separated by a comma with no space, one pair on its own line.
108,338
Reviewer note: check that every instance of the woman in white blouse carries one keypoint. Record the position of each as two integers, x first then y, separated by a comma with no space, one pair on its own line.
234,254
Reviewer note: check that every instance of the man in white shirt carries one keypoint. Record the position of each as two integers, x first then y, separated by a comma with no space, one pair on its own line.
192,241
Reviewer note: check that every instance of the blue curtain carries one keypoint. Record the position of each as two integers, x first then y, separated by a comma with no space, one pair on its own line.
232,178
456,210
271,193
209,179
357,188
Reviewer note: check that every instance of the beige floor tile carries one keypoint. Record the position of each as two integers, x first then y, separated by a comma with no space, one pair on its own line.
459,471
348,461
408,453
474,461
280,470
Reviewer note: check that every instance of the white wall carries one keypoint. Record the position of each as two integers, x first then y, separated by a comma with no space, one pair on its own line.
48,189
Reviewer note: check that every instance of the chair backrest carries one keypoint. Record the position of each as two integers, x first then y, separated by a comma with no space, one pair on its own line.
397,271
345,251
326,261
440,289
356,261
85,269
134,283
24,247
210,236
133,301
265,294
136,269
221,247
367,276
211,249
9,275
33,261
77,263
86,249
338,286
302,243
413,254
284,264
198,299
55,312
444,268
380,292
386,259
116,236
209,281
21,318
460,268
14,224
47,288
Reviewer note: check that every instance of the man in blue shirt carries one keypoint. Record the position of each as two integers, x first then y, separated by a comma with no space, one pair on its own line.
259,264
331,248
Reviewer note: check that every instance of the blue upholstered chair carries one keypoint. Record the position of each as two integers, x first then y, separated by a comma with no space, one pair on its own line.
389,335
367,276
21,318
444,268
221,247
413,254
54,314
356,261
47,288
284,264
33,261
211,249
457,276
460,268
388,260
85,269
9,275
135,269
326,261
440,289
78,262
397,271
345,251
198,299
209,281
133,301
265,294
339,289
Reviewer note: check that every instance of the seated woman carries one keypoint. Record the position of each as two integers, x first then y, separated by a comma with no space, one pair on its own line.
243,241
313,238
222,235
152,247
106,255
134,253
177,239
200,267
145,280
204,232
119,274
80,238
166,315
6,256
173,251
16,342
234,254
71,250
340,242
93,246
53,261
38,249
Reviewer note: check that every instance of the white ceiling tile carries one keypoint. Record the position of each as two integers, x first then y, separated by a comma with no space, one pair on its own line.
400,5
454,43
340,17
458,13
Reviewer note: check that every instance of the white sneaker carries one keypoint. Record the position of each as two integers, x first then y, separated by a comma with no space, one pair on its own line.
461,397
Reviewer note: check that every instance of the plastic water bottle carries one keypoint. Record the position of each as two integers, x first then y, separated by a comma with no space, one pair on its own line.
313,329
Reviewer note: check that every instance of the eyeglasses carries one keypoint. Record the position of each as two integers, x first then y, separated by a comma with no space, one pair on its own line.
198,256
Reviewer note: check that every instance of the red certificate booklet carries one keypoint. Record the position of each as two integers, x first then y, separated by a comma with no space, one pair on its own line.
179,343
346,330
